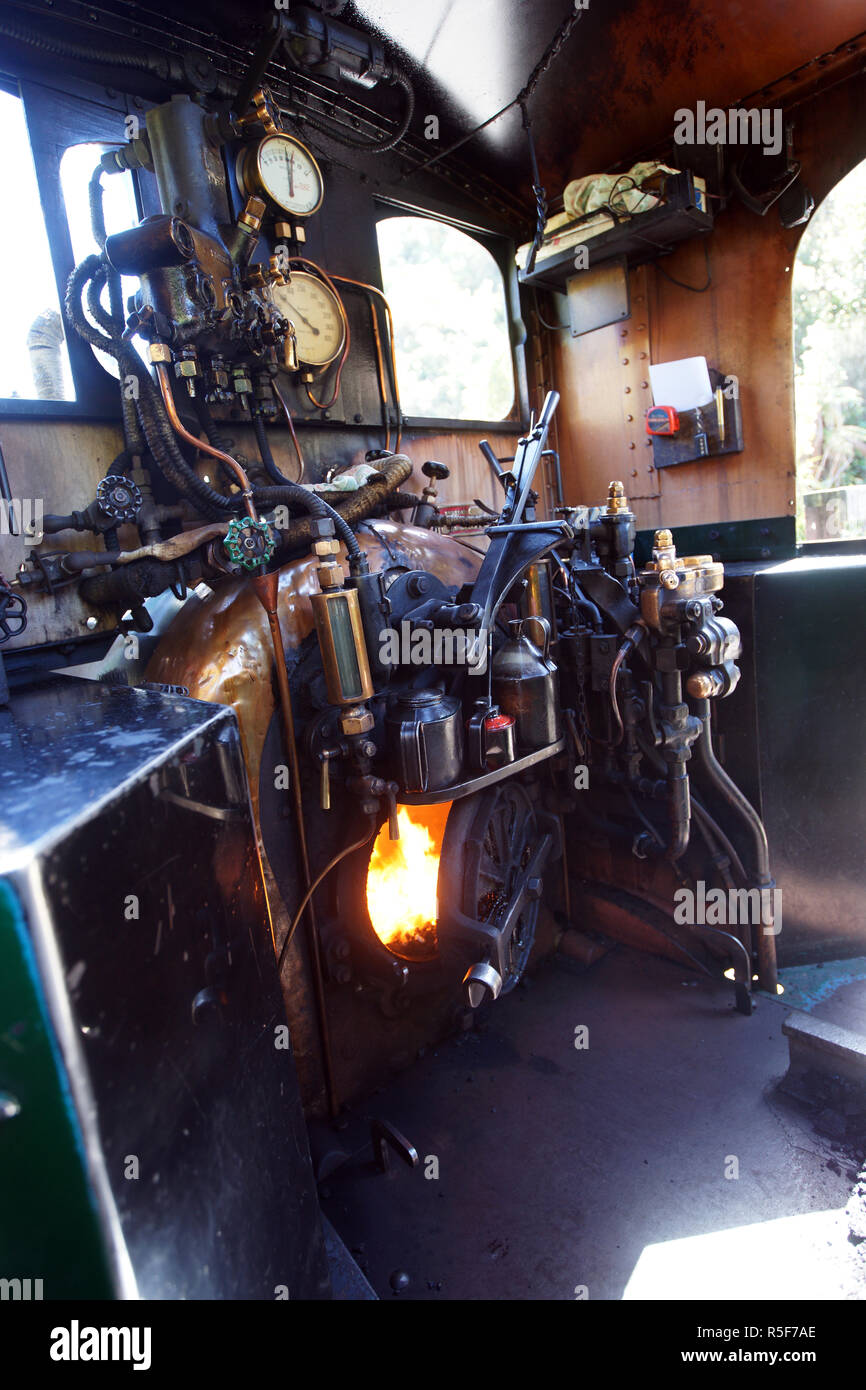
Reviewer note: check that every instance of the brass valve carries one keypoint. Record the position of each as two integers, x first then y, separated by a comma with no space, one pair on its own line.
668,578
261,113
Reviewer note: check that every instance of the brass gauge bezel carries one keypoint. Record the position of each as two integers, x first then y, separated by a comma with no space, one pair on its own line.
251,180
307,275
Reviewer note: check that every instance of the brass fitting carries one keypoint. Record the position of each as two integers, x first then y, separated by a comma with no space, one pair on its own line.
159,352
616,499
330,576
290,349
664,553
356,720
254,211
275,276
326,547
329,571
187,366
702,685
261,113
220,376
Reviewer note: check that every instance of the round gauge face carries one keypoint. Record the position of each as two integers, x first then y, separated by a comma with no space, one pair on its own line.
316,312
288,174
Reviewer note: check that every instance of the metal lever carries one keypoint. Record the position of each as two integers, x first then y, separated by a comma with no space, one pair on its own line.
530,450
383,1135
481,982
325,783
498,470
393,823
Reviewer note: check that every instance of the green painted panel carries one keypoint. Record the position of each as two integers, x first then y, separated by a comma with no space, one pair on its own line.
49,1227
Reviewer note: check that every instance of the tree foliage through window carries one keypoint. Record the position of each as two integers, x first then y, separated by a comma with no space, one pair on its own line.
830,355
448,300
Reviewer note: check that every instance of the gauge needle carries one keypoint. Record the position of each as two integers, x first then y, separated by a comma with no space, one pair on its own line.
292,175
299,315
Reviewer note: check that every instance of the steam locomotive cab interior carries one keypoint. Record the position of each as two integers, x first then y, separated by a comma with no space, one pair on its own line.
431,738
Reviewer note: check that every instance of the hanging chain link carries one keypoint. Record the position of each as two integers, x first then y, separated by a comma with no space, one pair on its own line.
551,52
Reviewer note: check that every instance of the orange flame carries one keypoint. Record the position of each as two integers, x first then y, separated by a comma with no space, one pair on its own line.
402,879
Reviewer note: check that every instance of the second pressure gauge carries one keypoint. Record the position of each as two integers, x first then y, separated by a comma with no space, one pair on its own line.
282,169
317,314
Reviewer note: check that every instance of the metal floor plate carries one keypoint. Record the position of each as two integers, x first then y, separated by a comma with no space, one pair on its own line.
608,1168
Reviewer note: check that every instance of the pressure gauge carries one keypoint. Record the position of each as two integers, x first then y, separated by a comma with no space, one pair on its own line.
318,316
282,169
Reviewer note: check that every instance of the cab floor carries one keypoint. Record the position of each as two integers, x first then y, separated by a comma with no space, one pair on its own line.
657,1161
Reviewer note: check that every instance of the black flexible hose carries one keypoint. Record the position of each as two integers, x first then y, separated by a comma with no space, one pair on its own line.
134,61
297,495
399,79
152,415
266,453
97,223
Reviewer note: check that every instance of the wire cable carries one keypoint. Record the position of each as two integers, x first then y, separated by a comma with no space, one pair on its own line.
331,864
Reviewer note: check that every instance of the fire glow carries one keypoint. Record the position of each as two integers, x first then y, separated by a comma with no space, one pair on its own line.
402,880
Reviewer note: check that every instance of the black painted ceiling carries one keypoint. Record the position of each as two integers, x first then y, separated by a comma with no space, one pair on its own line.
612,91
609,95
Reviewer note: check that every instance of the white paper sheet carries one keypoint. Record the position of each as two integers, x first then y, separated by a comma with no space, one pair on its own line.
684,384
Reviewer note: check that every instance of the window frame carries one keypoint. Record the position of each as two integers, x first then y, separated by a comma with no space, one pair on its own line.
502,249
55,120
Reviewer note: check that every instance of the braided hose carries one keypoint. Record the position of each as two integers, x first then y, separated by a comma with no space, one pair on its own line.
141,61
355,506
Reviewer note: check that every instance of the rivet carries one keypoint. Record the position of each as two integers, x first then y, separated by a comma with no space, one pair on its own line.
625,361
641,355
629,418
648,443
644,384
634,472
631,445
627,389
623,332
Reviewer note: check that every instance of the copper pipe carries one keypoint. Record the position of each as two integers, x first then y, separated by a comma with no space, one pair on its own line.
291,424
266,587
380,372
371,289
168,401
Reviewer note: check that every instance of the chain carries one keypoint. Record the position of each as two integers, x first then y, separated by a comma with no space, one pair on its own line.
561,37
552,51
